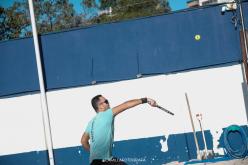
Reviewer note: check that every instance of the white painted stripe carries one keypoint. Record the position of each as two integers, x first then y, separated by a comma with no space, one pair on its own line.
21,125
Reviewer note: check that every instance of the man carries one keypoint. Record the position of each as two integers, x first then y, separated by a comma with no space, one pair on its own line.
100,129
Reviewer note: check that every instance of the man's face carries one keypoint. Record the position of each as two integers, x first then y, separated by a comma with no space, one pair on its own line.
103,104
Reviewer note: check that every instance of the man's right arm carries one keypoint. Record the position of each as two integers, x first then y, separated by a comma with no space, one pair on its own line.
85,141
132,103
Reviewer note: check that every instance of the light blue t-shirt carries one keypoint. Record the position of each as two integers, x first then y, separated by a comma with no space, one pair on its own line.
101,131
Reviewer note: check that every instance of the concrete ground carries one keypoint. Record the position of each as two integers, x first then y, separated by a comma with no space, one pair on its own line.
226,162
232,162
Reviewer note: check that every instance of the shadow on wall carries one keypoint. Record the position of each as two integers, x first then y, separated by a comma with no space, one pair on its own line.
245,94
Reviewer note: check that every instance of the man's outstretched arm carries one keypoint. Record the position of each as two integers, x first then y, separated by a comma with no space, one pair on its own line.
132,103
85,141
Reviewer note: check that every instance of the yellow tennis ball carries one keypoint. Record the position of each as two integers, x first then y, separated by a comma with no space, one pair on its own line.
197,37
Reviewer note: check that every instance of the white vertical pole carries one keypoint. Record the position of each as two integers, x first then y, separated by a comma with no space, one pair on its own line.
44,106
193,128
204,138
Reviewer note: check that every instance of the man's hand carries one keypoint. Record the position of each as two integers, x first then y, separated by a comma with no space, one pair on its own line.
151,102
85,141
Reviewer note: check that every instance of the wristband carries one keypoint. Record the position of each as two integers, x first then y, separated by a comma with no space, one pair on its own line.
144,100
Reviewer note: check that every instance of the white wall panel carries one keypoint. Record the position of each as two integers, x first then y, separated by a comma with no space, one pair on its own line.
216,93
21,126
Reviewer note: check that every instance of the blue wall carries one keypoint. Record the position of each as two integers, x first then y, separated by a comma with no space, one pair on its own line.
118,51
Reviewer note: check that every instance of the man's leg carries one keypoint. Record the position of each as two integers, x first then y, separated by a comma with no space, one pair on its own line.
97,162
114,161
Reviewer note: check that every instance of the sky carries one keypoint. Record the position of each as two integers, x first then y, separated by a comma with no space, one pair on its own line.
178,4
6,3
175,4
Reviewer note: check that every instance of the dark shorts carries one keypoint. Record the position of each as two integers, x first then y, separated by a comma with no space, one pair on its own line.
114,161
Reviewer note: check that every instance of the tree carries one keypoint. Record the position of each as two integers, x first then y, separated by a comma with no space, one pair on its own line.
89,8
128,9
14,21
50,15
57,15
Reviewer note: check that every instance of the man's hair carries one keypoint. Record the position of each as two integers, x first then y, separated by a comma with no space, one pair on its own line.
94,102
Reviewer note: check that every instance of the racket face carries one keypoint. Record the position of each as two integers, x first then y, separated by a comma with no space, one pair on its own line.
165,110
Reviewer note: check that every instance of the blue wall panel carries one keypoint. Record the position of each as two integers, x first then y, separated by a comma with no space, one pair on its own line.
121,50
66,59
34,158
245,13
164,50
71,156
115,54
18,69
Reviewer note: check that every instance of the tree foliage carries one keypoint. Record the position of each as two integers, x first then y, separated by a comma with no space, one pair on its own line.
57,15
128,9
13,21
50,15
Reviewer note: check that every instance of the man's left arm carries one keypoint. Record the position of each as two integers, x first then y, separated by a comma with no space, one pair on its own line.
85,141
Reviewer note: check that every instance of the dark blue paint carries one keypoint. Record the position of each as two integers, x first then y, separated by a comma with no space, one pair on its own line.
245,13
176,49
18,67
34,158
120,51
71,156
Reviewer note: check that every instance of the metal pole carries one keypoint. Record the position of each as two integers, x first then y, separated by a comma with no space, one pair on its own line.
193,127
244,35
243,28
204,140
203,136
44,106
